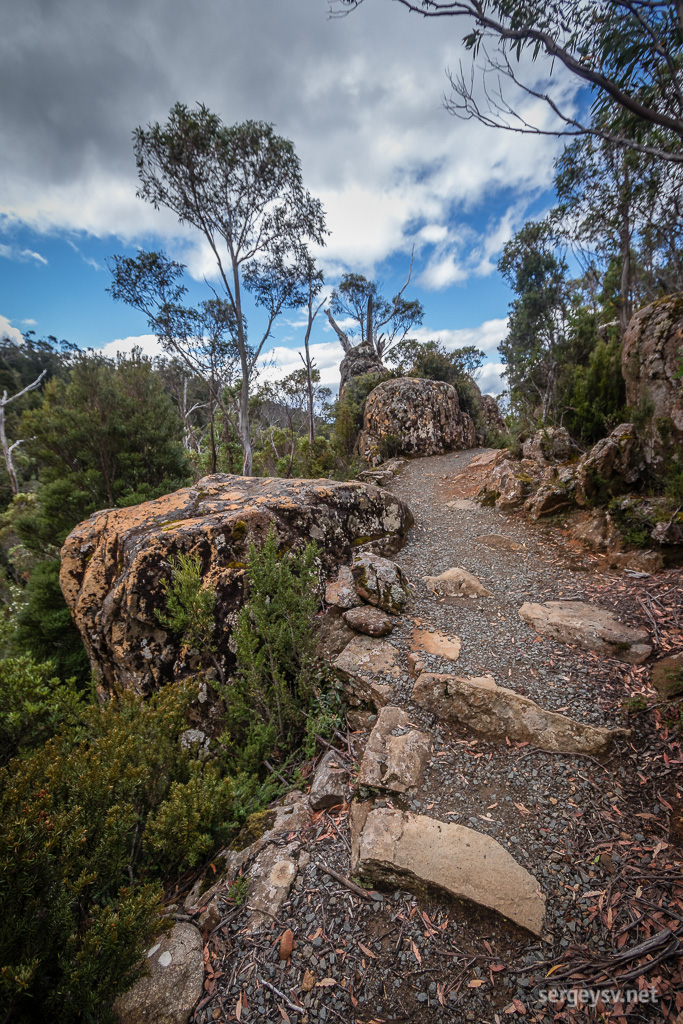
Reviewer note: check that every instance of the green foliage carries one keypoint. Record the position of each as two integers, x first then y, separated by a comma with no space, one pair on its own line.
34,705
350,408
379,321
268,701
594,394
72,837
390,446
45,629
190,606
109,432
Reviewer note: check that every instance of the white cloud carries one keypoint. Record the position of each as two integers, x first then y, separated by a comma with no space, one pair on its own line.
326,355
17,255
7,331
29,322
149,344
487,336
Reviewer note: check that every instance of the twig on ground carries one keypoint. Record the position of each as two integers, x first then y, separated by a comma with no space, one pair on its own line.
363,893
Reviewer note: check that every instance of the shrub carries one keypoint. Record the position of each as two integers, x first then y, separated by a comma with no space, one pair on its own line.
190,608
34,705
275,685
88,824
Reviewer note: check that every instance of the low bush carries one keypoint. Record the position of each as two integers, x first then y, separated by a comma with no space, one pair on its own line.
89,825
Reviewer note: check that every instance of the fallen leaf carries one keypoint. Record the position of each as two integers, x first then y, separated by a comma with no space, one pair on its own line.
475,983
286,944
309,981
416,951
326,983
368,952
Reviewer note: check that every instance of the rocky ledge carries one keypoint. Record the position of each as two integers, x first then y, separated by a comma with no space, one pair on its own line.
113,564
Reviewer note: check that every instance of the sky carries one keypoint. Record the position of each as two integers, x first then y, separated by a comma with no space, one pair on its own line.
360,97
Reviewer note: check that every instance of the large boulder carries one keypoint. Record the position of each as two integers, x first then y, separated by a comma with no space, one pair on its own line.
113,564
491,414
414,417
357,362
650,360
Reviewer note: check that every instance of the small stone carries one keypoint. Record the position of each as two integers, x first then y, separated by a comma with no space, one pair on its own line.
369,620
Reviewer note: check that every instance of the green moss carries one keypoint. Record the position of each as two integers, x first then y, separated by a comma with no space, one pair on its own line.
239,530
253,828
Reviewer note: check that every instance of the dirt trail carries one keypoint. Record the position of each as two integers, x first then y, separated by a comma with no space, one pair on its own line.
599,835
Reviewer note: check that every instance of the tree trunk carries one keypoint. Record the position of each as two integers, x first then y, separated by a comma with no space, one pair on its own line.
369,331
243,423
6,451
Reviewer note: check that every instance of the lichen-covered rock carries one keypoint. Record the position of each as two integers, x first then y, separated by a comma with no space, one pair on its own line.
551,444
357,362
381,582
491,414
650,360
169,993
507,482
367,668
555,492
341,591
597,530
611,467
420,417
113,564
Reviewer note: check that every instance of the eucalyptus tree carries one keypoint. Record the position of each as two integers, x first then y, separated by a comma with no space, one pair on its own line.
241,187
628,53
381,322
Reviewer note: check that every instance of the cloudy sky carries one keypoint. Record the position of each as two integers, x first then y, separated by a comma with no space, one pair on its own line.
360,98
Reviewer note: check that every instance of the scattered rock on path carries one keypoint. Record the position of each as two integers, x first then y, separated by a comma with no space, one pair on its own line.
589,626
396,754
455,583
369,620
412,849
499,713
175,983
381,582
330,785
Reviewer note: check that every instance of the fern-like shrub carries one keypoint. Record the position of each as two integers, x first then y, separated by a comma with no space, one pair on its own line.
275,686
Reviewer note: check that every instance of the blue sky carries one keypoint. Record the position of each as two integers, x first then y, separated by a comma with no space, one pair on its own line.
361,100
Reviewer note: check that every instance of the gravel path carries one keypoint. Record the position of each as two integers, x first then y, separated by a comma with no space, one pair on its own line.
578,824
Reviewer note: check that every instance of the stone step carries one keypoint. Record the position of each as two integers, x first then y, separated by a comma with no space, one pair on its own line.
589,626
499,713
396,754
415,851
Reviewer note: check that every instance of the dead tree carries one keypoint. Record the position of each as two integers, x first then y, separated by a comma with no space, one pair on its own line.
8,448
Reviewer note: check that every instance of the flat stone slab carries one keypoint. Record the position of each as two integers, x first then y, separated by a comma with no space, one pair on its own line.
426,641
174,985
589,626
454,583
499,713
369,620
405,849
396,754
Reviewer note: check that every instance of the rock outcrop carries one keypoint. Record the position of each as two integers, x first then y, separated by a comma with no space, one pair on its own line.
589,626
650,360
413,850
500,714
169,993
114,563
357,362
417,417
